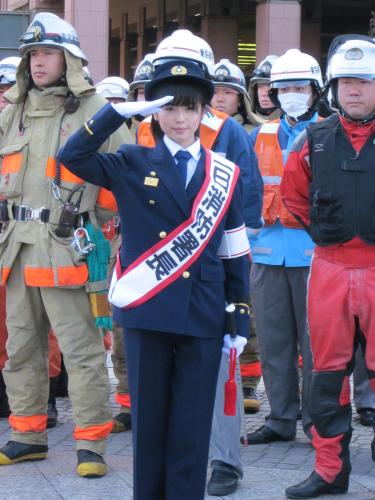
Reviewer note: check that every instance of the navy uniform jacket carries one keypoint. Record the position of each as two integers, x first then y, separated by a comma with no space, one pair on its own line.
234,144
193,306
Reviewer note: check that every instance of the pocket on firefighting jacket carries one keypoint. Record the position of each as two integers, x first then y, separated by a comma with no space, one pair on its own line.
212,273
63,250
271,200
13,159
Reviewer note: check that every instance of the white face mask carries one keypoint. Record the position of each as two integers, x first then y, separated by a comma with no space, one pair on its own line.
294,104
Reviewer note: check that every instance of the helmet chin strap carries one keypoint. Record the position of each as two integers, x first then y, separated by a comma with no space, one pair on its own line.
361,121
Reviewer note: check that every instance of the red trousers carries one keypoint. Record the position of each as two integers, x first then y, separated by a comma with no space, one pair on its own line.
341,289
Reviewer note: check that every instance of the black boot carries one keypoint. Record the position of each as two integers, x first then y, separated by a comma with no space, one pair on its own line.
52,410
4,405
314,486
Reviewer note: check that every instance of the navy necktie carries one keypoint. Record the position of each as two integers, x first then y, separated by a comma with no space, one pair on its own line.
182,158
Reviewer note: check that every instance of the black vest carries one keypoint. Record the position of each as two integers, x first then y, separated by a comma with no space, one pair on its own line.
342,191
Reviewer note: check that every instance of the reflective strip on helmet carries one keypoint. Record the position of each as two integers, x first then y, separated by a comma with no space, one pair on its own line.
11,163
28,423
93,432
65,174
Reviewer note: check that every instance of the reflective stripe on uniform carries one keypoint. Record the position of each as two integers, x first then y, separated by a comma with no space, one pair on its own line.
11,163
5,275
263,250
106,200
65,175
123,399
271,179
66,276
28,423
93,432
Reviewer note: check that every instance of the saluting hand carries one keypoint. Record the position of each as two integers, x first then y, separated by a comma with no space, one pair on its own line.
128,109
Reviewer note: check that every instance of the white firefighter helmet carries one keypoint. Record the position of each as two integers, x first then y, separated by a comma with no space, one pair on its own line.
354,59
8,69
295,65
228,74
142,75
351,56
183,44
113,87
49,29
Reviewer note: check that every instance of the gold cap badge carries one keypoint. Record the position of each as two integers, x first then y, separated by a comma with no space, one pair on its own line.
179,70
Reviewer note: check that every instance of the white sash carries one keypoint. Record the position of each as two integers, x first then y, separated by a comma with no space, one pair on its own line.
164,262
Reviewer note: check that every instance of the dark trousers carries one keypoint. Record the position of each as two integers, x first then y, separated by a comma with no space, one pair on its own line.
172,381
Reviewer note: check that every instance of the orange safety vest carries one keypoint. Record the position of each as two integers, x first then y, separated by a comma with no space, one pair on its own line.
270,161
207,132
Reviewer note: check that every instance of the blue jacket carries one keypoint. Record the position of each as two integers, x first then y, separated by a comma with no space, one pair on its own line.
234,144
277,244
193,306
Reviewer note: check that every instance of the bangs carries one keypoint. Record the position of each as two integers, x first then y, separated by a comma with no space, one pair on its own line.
185,94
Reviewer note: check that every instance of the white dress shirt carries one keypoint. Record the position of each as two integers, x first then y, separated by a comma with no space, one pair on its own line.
194,150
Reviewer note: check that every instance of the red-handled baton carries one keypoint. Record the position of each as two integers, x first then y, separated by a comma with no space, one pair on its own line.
230,389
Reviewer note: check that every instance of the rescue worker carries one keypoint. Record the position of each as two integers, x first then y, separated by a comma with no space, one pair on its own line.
328,186
363,395
231,97
116,89
281,253
262,108
224,135
42,204
174,323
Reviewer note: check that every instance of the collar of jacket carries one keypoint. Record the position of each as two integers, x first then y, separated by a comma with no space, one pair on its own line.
75,76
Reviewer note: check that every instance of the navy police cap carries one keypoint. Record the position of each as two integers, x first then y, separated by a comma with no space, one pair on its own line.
180,69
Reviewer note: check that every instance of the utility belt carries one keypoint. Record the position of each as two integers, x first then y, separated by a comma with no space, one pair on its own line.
24,213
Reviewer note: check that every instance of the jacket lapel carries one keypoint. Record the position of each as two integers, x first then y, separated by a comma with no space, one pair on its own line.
165,166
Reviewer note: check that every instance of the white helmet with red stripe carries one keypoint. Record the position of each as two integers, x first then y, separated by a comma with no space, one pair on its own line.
183,44
295,65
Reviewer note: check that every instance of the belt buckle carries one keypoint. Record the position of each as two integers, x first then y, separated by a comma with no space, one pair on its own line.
28,213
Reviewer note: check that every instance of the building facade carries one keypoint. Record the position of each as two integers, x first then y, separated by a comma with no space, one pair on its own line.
115,34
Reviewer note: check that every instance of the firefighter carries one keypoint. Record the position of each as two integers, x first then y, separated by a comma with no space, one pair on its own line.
42,204
328,185
281,253
262,108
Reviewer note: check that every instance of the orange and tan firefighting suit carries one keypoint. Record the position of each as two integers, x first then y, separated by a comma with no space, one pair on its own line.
45,277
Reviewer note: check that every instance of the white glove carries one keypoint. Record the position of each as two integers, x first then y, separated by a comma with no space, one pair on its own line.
128,109
238,342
